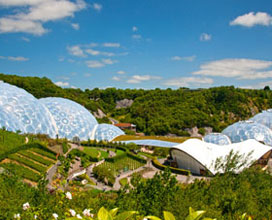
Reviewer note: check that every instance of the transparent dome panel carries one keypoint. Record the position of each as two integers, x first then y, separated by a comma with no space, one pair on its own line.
244,130
107,132
22,111
72,119
217,138
264,118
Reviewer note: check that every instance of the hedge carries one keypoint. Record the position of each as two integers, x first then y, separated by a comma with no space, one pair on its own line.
78,153
158,165
21,171
28,163
136,157
25,147
46,153
35,157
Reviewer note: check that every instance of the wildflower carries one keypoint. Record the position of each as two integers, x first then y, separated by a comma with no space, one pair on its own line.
86,212
26,206
78,216
55,215
68,195
35,216
17,216
72,212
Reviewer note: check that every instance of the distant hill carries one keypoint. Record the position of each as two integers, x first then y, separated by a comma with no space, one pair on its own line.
160,111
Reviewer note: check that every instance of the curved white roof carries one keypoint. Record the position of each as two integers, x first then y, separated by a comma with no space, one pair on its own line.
207,153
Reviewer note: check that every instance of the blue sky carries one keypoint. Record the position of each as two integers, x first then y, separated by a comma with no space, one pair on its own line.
138,44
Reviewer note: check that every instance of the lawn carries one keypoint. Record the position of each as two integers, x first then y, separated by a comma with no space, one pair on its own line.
119,166
161,138
9,140
95,152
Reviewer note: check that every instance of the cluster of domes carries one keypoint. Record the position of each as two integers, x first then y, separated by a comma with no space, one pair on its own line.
258,127
19,110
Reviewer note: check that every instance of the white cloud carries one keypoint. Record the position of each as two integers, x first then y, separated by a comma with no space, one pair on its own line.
237,68
178,58
18,59
75,26
140,78
25,39
121,72
62,84
87,74
93,52
94,64
97,7
188,81
205,37
134,29
111,45
76,51
137,36
116,78
109,61
30,15
251,19
96,53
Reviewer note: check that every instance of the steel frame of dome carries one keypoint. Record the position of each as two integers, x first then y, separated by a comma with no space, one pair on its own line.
106,132
71,118
20,110
264,118
217,138
244,130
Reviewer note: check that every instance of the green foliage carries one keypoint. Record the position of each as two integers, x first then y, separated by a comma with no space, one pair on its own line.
35,157
65,147
160,111
9,141
103,174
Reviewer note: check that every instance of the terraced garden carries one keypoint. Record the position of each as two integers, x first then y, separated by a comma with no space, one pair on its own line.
30,164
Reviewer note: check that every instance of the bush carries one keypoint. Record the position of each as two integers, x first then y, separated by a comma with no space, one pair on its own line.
158,165
104,175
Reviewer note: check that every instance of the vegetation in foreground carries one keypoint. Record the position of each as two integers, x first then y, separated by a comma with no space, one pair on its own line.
226,196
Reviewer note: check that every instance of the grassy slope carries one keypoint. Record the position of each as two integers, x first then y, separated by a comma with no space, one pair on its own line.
9,140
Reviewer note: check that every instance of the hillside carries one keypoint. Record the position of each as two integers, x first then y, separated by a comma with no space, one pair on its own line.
160,111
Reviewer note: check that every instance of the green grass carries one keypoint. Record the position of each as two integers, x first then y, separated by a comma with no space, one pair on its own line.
48,154
21,171
35,157
123,181
94,152
9,140
27,162
118,166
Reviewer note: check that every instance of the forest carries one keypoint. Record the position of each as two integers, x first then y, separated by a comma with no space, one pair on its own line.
159,111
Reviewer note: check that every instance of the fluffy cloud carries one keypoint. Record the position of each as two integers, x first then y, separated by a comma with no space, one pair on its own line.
75,26
96,53
76,51
111,45
205,37
134,29
178,58
18,59
188,81
30,15
97,7
251,19
121,72
136,36
116,78
99,64
237,68
140,78
62,84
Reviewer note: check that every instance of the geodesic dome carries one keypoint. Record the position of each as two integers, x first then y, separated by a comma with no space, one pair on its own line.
20,110
264,118
106,132
217,138
71,118
244,130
